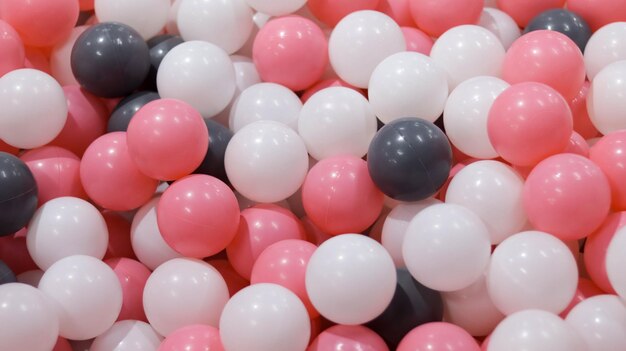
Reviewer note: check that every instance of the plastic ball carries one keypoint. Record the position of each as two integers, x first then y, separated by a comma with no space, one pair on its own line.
360,41
184,291
126,336
446,247
438,336
532,270
126,12
436,17
29,318
56,171
227,24
119,235
604,101
196,337
6,274
524,12
127,108
41,22
159,47
529,122
341,270
466,112
563,186
189,68
408,84
409,159
595,250
132,276
348,338
18,194
468,51
412,305
615,262
265,317
607,154
327,83
86,294
598,13
265,102
198,215
331,12
548,57
276,7
110,59
606,45
582,122
291,51
500,24
562,21
107,164
11,49
600,320
60,65
213,162
146,239
266,161
18,90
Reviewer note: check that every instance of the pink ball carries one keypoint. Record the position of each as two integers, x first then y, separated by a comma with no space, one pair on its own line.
332,11
86,120
437,16
110,177
529,122
36,58
56,171
523,11
609,153
548,57
133,277
234,281
399,10
194,337
167,139
41,22
11,49
577,145
567,195
291,51
348,338
284,263
595,250
327,83
314,234
582,122
417,41
198,215
438,336
340,197
119,236
596,13
261,226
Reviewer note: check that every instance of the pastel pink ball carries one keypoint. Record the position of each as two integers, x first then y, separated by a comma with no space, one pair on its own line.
609,153
437,16
438,336
11,49
348,338
194,337
596,246
523,11
133,276
417,41
332,11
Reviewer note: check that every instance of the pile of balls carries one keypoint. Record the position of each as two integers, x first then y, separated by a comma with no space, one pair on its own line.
321,175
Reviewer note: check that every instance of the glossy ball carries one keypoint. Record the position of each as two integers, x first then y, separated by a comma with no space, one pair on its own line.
18,194
562,21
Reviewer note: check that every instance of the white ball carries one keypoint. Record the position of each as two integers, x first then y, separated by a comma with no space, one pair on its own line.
34,109
184,291
501,25
128,335
606,45
86,293
350,279
532,270
276,7
146,239
265,102
601,321
199,73
227,24
266,161
337,121
135,14
265,317
492,190
471,308
535,330
395,225
465,115
360,41
28,319
63,227
446,247
616,261
468,51
408,84
605,102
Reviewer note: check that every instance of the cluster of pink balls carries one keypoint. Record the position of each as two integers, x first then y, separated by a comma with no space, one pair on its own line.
298,248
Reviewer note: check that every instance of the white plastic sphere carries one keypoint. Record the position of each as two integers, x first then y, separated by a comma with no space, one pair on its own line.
408,84
276,7
601,321
128,335
446,247
135,14
199,73
225,23
265,317
246,75
337,121
605,102
34,109
501,25
184,291
616,261
606,45
350,279
86,293
360,41
465,115
532,270
266,161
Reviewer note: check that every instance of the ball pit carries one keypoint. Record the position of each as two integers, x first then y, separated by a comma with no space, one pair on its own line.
312,175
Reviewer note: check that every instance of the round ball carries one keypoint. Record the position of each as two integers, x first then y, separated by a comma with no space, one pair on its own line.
604,100
435,17
563,21
126,12
128,332
606,45
18,194
127,108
